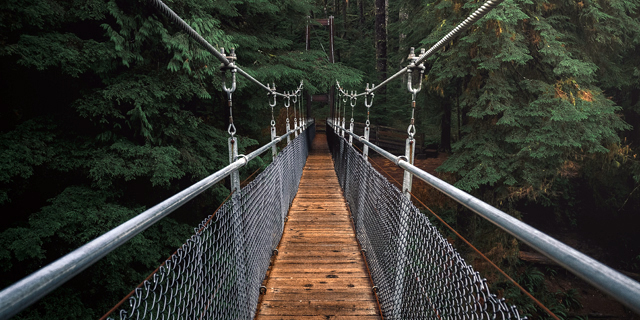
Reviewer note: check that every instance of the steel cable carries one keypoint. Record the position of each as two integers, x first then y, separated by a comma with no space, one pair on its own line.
164,9
459,29
218,272
418,272
523,290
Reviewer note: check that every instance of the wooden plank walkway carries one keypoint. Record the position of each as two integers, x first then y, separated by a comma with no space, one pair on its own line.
319,272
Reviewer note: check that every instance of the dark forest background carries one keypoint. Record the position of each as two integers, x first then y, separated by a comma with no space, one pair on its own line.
107,109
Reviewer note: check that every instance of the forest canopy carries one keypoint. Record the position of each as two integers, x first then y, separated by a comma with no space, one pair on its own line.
108,108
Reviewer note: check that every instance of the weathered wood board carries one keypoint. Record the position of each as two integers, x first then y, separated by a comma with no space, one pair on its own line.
319,272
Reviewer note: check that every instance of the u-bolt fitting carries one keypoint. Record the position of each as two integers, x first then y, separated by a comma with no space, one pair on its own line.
231,66
411,68
368,103
272,92
287,101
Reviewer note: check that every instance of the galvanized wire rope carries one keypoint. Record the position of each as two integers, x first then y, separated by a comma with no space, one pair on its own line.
217,273
459,29
523,290
164,9
419,274
119,304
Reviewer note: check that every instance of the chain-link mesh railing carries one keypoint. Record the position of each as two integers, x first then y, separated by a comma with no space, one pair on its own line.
218,272
418,273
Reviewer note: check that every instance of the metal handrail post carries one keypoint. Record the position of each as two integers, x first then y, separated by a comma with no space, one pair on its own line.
365,147
409,155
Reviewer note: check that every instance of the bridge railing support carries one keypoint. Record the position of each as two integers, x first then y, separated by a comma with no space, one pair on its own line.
615,284
25,292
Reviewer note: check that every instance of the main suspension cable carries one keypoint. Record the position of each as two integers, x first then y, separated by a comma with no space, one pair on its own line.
523,290
164,9
460,28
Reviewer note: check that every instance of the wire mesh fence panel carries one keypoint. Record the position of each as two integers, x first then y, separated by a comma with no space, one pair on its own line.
417,272
218,272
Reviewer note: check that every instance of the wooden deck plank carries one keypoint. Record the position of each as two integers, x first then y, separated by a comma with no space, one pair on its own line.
319,272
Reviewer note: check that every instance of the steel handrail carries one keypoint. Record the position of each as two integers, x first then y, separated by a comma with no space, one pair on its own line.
612,282
30,289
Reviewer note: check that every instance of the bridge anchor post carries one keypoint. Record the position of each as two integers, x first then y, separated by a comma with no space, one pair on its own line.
238,231
365,148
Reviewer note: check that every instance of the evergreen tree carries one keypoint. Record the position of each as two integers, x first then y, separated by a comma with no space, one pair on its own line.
109,109
529,91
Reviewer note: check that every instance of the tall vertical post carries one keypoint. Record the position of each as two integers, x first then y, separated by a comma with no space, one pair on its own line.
331,35
308,36
288,129
332,91
308,47
351,130
238,229
365,148
402,242
274,148
233,156
409,153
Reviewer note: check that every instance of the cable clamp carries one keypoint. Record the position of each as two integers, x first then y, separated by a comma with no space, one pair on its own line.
272,92
246,160
368,103
410,69
354,99
287,102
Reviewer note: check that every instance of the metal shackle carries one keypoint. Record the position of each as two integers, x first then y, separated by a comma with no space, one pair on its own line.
412,67
368,103
231,66
272,92
354,99
287,101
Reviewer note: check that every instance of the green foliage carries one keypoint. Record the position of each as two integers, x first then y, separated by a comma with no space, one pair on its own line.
111,109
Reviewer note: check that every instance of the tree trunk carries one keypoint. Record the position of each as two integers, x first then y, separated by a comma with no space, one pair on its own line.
403,15
381,41
345,23
445,126
361,11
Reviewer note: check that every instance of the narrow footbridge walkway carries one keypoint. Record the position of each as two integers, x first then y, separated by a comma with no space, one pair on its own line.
319,272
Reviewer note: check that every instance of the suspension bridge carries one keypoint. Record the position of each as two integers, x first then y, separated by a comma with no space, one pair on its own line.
319,234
